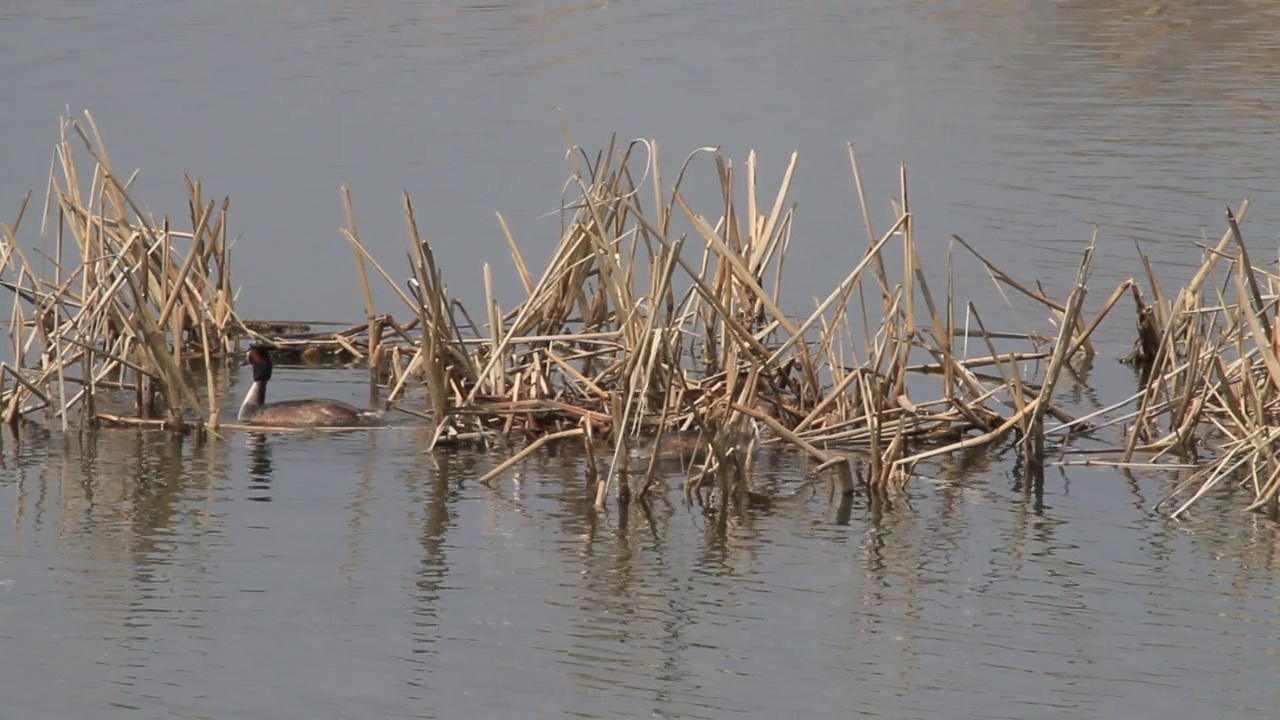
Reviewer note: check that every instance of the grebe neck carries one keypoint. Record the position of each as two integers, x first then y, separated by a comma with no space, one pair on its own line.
254,399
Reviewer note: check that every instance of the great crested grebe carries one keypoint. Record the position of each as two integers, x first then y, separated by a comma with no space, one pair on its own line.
312,412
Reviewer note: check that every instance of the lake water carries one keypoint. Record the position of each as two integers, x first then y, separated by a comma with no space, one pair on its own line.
356,575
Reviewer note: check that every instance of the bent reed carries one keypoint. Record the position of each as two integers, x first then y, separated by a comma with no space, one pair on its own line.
651,317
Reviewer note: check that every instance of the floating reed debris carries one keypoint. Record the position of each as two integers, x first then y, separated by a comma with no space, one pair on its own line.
651,317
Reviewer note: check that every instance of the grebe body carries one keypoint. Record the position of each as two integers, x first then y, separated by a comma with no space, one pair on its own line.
294,413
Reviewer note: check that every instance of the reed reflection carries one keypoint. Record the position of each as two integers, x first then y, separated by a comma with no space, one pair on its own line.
436,480
121,499
261,467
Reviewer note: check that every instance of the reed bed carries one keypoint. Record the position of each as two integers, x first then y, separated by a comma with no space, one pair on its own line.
123,302
1209,399
126,302
651,316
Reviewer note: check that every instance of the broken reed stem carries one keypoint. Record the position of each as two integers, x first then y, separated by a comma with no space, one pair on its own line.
208,375
353,234
528,450
1033,442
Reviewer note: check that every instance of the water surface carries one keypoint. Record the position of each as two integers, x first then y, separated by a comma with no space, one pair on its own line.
354,575
1023,125
357,576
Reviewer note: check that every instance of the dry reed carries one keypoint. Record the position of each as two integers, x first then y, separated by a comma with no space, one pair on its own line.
650,316
634,328
129,303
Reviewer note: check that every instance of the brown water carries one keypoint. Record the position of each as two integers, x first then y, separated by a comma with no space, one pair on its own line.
355,576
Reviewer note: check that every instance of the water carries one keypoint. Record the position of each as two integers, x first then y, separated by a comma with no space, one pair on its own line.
356,576
1022,126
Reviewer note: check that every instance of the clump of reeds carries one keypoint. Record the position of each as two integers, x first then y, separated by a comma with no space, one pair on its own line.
126,302
634,329
1210,394
123,300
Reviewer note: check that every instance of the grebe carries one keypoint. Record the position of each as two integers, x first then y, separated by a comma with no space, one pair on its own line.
294,413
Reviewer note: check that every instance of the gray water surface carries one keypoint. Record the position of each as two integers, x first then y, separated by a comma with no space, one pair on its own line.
1023,125
354,576
357,576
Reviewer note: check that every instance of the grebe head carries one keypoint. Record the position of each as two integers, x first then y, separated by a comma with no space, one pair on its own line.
260,359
